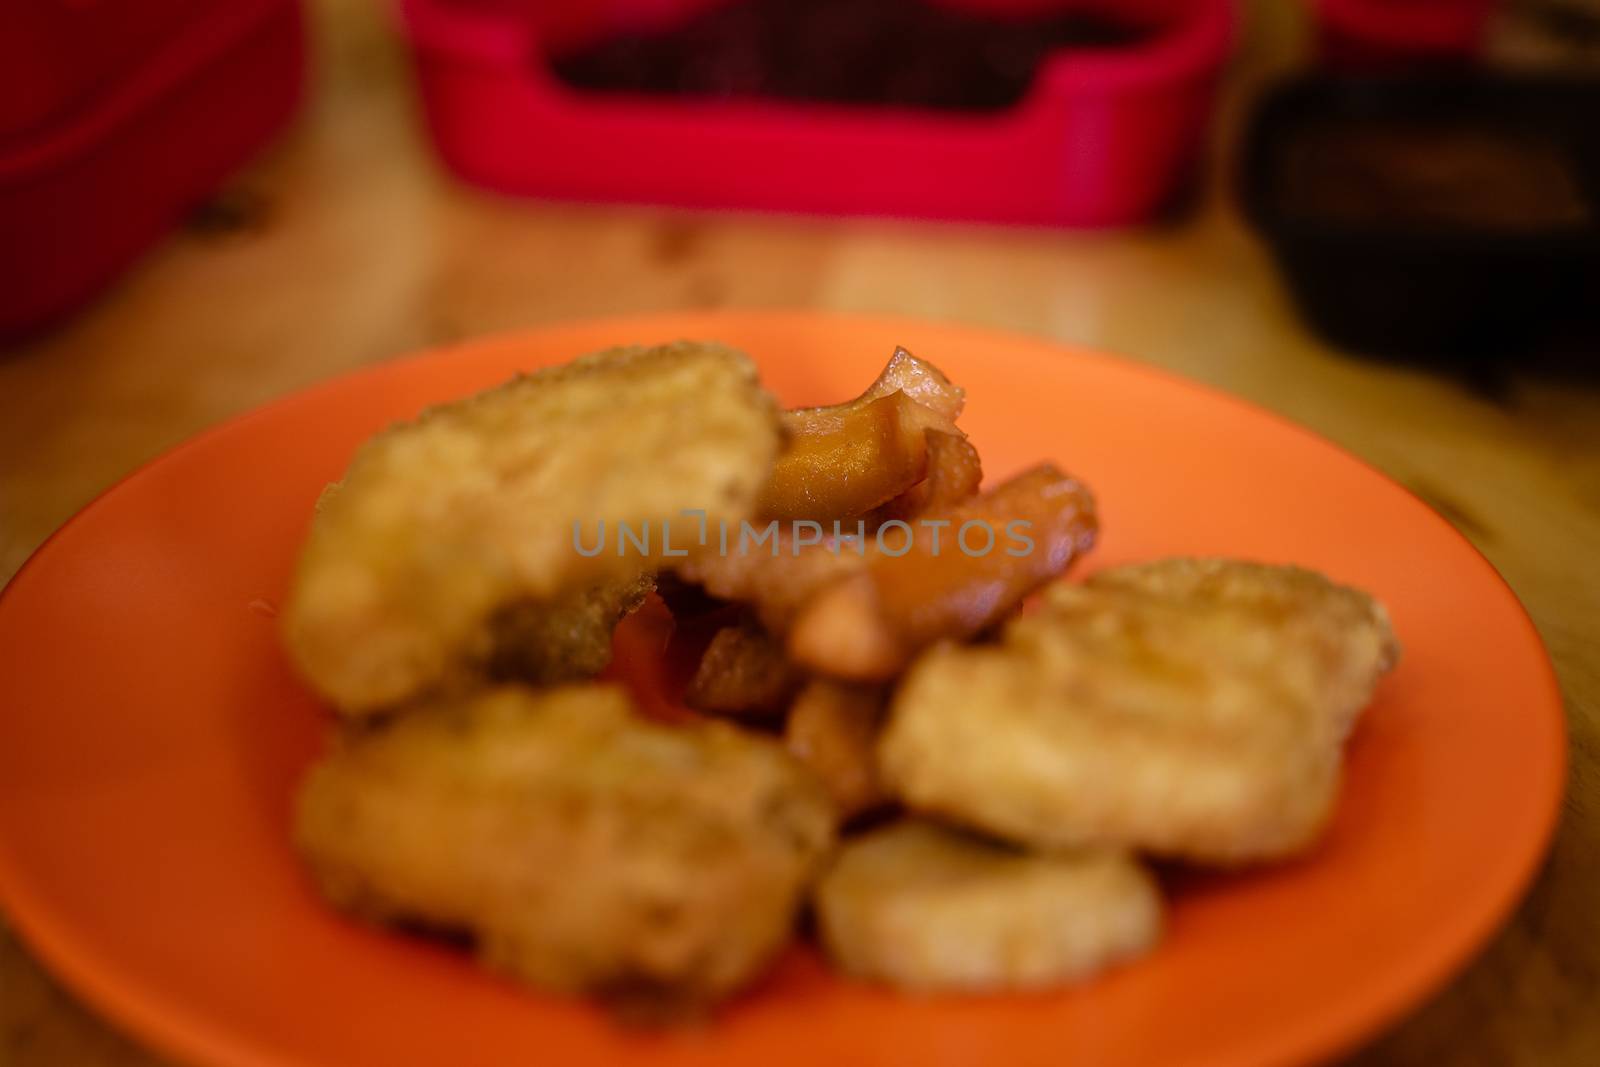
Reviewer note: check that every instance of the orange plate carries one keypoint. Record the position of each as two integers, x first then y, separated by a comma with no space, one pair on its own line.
152,735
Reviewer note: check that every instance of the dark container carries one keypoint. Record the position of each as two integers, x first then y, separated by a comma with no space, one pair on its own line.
1453,216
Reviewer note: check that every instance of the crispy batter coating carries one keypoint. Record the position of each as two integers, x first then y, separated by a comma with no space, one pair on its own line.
923,907
584,848
565,640
1183,723
742,673
867,627
1352,628
833,728
844,460
442,522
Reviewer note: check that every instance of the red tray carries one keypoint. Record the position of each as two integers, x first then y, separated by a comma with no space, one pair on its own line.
1101,139
115,119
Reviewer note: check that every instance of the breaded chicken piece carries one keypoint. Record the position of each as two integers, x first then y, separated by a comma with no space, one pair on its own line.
922,907
584,848
1352,628
564,640
1181,723
442,522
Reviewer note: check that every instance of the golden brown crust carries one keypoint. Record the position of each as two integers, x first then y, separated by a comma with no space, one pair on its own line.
442,521
922,907
1185,725
1350,629
584,848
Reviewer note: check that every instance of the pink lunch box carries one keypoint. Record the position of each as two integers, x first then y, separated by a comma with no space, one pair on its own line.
117,117
1101,138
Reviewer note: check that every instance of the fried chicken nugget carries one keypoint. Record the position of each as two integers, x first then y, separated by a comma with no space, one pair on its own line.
1353,629
584,848
1182,724
867,627
742,673
846,459
476,505
922,907
833,729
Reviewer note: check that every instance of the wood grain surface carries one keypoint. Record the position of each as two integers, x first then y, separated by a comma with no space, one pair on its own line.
346,245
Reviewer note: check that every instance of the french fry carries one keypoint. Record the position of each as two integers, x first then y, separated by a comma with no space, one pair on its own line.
866,626
922,382
954,473
844,460
775,582
833,728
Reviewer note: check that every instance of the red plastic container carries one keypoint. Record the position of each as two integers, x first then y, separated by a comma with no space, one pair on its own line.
1384,34
115,119
1101,139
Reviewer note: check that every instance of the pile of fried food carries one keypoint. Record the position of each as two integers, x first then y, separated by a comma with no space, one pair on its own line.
957,791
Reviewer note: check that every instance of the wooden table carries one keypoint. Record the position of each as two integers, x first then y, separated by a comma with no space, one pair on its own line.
348,246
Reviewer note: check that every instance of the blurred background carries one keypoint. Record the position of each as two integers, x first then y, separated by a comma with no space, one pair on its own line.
1380,218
